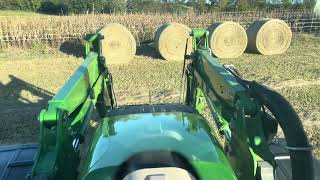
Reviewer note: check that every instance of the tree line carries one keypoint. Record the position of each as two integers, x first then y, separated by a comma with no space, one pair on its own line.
65,7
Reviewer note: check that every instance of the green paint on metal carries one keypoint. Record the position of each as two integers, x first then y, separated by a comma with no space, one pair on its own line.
210,171
63,123
200,101
184,133
222,124
256,158
231,105
257,140
199,38
234,107
90,39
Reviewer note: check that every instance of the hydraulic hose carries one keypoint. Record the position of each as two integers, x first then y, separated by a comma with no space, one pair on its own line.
297,142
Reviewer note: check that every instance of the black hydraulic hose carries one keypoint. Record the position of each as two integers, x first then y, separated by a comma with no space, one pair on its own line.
297,142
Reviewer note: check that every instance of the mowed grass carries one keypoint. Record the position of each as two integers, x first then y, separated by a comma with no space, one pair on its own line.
300,61
18,13
28,78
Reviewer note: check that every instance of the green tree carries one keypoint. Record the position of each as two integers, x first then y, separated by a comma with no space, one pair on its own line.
222,4
260,4
77,6
56,7
309,4
286,4
114,6
145,6
26,5
244,5
199,5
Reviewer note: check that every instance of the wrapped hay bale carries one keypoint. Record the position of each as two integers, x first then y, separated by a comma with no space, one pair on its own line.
227,39
269,36
118,45
170,41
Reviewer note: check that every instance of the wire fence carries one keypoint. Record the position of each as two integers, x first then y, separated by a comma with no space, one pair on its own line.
56,30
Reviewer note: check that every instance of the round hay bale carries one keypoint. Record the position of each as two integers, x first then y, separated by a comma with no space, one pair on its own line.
269,36
118,45
227,39
170,41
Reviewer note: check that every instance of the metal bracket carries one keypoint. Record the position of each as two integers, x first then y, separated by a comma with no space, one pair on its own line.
266,170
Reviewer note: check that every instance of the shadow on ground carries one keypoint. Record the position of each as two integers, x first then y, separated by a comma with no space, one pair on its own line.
20,105
73,47
147,49
17,94
76,48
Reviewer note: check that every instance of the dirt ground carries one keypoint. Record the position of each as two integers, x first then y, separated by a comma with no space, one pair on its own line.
29,78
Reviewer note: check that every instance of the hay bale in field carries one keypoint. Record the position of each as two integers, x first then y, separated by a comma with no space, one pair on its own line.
269,36
170,41
118,45
227,39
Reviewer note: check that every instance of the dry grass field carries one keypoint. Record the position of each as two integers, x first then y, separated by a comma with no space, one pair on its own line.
22,29
30,77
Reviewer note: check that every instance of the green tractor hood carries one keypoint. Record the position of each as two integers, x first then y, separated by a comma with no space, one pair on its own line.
120,137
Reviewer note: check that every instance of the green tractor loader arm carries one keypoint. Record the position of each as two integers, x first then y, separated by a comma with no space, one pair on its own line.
63,123
239,108
166,141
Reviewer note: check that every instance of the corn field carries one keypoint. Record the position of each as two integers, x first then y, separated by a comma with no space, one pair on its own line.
56,30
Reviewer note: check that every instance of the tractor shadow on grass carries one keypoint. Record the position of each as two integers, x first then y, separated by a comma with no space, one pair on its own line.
146,48
20,106
73,47
19,94
76,48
